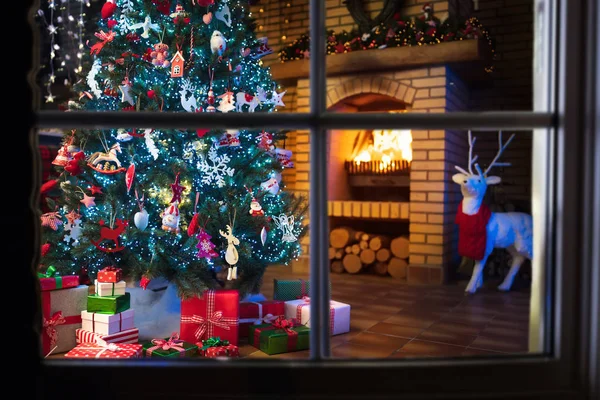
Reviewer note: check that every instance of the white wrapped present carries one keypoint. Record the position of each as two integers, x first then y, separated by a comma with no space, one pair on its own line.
339,314
104,289
107,324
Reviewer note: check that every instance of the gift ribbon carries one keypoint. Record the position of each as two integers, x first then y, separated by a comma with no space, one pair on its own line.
306,301
94,322
280,323
49,323
172,343
103,345
50,273
214,318
214,342
112,291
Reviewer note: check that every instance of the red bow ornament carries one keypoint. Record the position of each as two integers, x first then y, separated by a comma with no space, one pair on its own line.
105,38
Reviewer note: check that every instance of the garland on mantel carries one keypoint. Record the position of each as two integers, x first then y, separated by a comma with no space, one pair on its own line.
422,31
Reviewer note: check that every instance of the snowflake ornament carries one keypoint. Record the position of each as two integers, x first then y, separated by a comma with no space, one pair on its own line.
215,168
73,231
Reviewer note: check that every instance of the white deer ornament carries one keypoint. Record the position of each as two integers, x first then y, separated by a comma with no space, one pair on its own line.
480,230
231,254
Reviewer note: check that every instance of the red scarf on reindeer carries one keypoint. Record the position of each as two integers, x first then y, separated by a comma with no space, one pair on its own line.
472,233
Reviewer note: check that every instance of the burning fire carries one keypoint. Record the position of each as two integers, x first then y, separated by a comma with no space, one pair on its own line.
388,145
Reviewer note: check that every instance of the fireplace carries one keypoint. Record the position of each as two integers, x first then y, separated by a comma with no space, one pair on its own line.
394,183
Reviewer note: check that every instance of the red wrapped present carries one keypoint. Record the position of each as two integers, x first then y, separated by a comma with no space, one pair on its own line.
127,336
50,281
215,313
260,312
215,347
110,274
101,349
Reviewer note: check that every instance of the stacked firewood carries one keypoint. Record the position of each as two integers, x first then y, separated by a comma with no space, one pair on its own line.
355,251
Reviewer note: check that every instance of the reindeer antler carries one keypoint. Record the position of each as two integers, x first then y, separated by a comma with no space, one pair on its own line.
472,159
501,148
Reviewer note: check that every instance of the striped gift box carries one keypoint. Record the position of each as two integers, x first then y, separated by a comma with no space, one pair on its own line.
128,336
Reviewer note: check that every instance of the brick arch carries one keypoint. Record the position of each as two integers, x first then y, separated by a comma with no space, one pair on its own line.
379,85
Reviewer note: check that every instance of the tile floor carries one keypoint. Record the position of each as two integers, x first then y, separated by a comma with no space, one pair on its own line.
393,319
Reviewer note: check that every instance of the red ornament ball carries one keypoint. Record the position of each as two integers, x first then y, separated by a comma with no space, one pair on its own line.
111,23
108,9
45,249
151,94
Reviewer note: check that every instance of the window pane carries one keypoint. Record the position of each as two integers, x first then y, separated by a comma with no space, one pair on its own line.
403,255
165,56
436,56
179,212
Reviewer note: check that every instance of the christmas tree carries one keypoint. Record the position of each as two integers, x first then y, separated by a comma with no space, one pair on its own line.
201,208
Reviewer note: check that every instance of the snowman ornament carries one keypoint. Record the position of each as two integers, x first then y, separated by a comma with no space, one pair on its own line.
170,218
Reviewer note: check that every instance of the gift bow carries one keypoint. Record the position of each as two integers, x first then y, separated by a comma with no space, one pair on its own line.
216,319
172,343
110,269
286,324
214,342
267,319
51,324
50,272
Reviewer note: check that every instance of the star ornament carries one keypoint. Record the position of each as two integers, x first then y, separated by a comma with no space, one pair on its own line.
88,201
50,98
72,216
96,189
177,190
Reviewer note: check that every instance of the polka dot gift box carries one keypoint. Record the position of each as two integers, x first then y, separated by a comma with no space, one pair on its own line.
101,349
110,274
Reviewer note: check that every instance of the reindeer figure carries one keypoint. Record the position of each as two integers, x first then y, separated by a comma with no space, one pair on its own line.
246,99
188,104
109,233
231,254
110,157
480,230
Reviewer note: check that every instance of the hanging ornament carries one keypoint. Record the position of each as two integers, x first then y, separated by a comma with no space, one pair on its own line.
231,254
72,216
193,225
271,186
265,141
255,207
207,18
188,103
125,89
140,219
245,52
44,249
123,135
284,157
111,23
149,140
177,190
52,220
159,55
180,15
95,189
163,6
91,78
146,26
224,15
218,43
177,65
62,157
108,9
210,99
144,282
286,224
229,138
88,201
48,186
217,169
75,165
203,3
104,39
227,102
129,175
246,99
263,235
73,231
276,98
106,162
112,234
206,248
262,50
170,218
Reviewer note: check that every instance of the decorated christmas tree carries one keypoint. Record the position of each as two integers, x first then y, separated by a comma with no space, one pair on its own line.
201,208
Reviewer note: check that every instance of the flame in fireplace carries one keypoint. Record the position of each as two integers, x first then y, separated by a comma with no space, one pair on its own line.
387,146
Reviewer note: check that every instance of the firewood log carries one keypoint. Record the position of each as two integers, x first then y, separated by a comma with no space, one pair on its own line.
397,267
400,247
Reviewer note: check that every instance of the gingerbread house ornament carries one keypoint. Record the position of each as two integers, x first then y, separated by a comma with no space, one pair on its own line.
177,65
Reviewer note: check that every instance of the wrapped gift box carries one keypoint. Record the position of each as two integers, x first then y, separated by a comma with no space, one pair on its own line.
339,314
172,347
127,336
271,340
108,304
215,347
50,281
110,274
107,324
109,288
61,312
215,313
259,312
291,289
105,350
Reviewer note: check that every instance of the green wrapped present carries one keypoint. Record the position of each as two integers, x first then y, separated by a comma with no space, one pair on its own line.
171,347
279,338
108,304
291,289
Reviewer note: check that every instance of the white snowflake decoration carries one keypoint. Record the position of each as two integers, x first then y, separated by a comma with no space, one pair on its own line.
74,232
91,78
217,169
206,246
126,9
150,143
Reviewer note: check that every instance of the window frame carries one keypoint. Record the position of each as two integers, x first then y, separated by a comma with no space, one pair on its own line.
569,366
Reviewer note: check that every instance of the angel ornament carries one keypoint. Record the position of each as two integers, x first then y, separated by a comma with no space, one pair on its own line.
286,224
146,26
231,254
